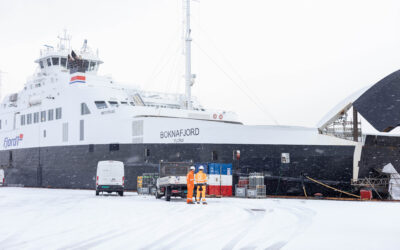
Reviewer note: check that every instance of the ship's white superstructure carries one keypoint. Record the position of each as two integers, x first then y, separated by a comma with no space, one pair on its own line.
59,108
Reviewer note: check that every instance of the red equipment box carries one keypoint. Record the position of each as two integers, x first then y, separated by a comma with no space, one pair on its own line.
366,194
219,190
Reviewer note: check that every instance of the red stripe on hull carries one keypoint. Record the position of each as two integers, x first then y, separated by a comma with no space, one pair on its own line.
80,78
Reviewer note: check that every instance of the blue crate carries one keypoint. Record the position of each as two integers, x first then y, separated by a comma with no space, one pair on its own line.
214,168
220,168
226,169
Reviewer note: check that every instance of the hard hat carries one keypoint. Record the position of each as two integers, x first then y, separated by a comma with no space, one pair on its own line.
201,168
192,168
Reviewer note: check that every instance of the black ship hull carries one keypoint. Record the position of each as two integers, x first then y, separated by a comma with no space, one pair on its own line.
75,166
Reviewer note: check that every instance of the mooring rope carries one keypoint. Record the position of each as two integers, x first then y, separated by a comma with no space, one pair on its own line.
337,190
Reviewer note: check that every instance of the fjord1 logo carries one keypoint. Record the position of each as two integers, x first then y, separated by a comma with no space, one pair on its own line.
12,142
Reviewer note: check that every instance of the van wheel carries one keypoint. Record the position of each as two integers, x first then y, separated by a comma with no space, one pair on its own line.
121,193
97,193
157,195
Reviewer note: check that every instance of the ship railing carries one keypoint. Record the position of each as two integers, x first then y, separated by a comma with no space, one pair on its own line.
368,182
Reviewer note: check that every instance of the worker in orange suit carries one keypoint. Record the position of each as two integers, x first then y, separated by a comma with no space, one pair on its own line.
190,185
201,181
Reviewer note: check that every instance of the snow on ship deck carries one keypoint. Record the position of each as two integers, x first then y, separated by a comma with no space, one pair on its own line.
77,219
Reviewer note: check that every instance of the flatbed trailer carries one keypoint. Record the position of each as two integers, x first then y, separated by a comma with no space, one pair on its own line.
172,180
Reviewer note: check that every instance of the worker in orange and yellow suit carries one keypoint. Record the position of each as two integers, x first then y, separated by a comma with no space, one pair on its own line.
201,181
190,185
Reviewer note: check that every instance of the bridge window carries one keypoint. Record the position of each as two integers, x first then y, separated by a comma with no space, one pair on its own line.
84,109
22,120
36,117
92,66
50,114
28,118
124,103
131,103
41,64
63,61
42,116
101,104
48,62
58,113
85,65
56,60
113,103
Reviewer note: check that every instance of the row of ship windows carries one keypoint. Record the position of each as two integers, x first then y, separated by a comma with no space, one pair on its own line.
103,104
49,115
88,65
53,61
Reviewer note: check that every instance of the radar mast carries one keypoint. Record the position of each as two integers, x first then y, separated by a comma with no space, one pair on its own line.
65,41
189,77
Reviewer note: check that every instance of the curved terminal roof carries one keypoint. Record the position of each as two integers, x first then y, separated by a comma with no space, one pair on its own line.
341,107
379,104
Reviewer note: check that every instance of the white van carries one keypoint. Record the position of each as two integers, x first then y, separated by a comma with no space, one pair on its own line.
1,177
110,177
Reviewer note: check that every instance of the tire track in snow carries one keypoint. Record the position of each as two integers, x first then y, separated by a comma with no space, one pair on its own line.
255,217
97,240
303,220
178,233
274,238
145,224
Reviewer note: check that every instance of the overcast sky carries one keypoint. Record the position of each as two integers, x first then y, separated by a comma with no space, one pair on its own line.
287,61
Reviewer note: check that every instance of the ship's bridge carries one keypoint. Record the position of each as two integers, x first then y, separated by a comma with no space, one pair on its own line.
57,59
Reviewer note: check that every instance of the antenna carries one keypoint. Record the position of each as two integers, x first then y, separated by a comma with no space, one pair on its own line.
65,41
189,78
84,46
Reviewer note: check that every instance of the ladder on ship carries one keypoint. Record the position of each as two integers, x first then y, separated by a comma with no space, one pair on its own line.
138,100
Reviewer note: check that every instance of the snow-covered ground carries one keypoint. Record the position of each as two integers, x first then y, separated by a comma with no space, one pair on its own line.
77,219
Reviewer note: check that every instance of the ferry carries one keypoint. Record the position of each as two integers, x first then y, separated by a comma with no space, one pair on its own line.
68,117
